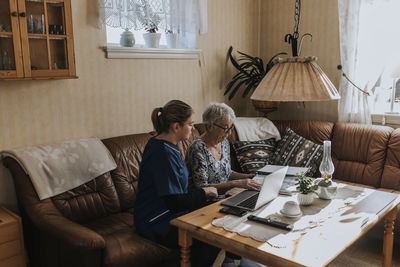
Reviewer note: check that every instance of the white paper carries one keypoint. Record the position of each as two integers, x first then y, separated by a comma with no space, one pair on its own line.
291,170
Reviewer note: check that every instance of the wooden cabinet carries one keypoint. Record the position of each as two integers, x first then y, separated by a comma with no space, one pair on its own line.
12,253
36,40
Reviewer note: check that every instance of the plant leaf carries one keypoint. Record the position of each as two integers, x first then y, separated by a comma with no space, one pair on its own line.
234,62
238,85
270,63
246,55
229,86
249,87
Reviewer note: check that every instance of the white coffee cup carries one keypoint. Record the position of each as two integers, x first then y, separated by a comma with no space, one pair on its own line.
291,208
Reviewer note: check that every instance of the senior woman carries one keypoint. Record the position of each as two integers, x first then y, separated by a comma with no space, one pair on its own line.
208,158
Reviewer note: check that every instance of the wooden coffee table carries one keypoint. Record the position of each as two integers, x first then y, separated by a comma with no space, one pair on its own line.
316,246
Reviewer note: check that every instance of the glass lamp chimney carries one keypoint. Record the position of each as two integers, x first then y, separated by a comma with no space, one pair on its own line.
326,168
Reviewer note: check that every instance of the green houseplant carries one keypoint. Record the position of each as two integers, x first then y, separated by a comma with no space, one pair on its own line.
150,21
251,72
305,188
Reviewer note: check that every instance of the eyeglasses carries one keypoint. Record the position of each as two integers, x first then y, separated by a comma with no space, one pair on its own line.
226,129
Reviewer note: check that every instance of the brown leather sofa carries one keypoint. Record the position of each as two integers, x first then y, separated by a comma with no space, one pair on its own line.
92,225
366,155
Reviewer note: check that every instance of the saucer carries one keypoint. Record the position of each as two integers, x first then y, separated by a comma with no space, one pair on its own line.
290,216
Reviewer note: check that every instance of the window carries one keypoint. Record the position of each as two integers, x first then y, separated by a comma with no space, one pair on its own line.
378,60
181,18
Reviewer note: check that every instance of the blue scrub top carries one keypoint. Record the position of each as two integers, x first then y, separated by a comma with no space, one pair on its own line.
162,172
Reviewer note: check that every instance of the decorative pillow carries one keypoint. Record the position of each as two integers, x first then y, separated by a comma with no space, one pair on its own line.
253,155
295,150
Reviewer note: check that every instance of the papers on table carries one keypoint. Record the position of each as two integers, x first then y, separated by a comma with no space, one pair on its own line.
289,183
291,171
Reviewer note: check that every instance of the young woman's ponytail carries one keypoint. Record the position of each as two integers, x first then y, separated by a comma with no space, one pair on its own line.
173,111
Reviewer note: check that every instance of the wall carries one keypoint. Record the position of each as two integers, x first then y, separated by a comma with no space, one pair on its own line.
320,18
115,97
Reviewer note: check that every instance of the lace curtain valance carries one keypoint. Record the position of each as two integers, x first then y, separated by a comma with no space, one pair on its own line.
178,16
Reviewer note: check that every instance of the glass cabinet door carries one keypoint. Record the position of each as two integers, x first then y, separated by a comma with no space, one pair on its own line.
10,51
37,37
57,35
48,37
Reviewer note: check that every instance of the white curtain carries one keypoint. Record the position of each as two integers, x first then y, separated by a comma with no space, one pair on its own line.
369,37
353,105
187,18
117,14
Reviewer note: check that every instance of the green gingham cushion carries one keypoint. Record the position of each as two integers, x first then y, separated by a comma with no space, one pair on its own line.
295,150
253,155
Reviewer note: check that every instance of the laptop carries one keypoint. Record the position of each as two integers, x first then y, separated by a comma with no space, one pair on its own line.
289,183
252,200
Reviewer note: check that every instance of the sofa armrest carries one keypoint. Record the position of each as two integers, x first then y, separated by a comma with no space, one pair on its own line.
48,219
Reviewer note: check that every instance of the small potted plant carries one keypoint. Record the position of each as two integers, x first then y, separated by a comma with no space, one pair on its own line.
305,188
149,20
172,39
151,38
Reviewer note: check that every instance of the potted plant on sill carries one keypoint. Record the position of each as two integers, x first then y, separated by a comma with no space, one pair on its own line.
151,37
172,39
305,188
149,20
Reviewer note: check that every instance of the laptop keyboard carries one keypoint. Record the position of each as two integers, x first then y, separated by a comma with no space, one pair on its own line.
249,203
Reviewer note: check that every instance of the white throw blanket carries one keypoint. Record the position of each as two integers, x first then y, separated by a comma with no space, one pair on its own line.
59,167
255,129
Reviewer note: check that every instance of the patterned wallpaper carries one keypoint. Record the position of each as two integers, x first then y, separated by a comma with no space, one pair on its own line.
115,97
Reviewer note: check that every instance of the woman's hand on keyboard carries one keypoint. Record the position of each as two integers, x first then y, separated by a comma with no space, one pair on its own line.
248,184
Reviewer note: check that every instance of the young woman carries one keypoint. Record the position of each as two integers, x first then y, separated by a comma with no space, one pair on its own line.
163,182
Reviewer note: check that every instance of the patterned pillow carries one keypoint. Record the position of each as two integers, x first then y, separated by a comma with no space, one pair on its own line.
253,155
295,150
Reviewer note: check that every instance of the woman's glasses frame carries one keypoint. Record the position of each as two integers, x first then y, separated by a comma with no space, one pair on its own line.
226,129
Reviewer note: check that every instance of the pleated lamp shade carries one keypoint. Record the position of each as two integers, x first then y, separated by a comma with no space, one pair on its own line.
295,79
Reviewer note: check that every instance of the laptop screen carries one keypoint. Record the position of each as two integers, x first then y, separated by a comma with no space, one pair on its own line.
271,185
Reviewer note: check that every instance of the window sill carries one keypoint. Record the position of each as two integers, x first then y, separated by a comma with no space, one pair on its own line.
154,53
386,118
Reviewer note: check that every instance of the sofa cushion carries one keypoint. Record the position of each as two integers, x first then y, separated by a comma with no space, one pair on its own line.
123,246
94,199
253,155
359,152
127,152
391,170
295,150
316,131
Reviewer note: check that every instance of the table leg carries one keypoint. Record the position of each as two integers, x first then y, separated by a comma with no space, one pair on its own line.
388,238
185,241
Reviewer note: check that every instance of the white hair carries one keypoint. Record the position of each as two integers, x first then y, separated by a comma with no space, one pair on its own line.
216,112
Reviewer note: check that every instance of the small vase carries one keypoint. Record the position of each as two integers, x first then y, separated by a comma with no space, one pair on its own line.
127,39
305,199
151,40
172,40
